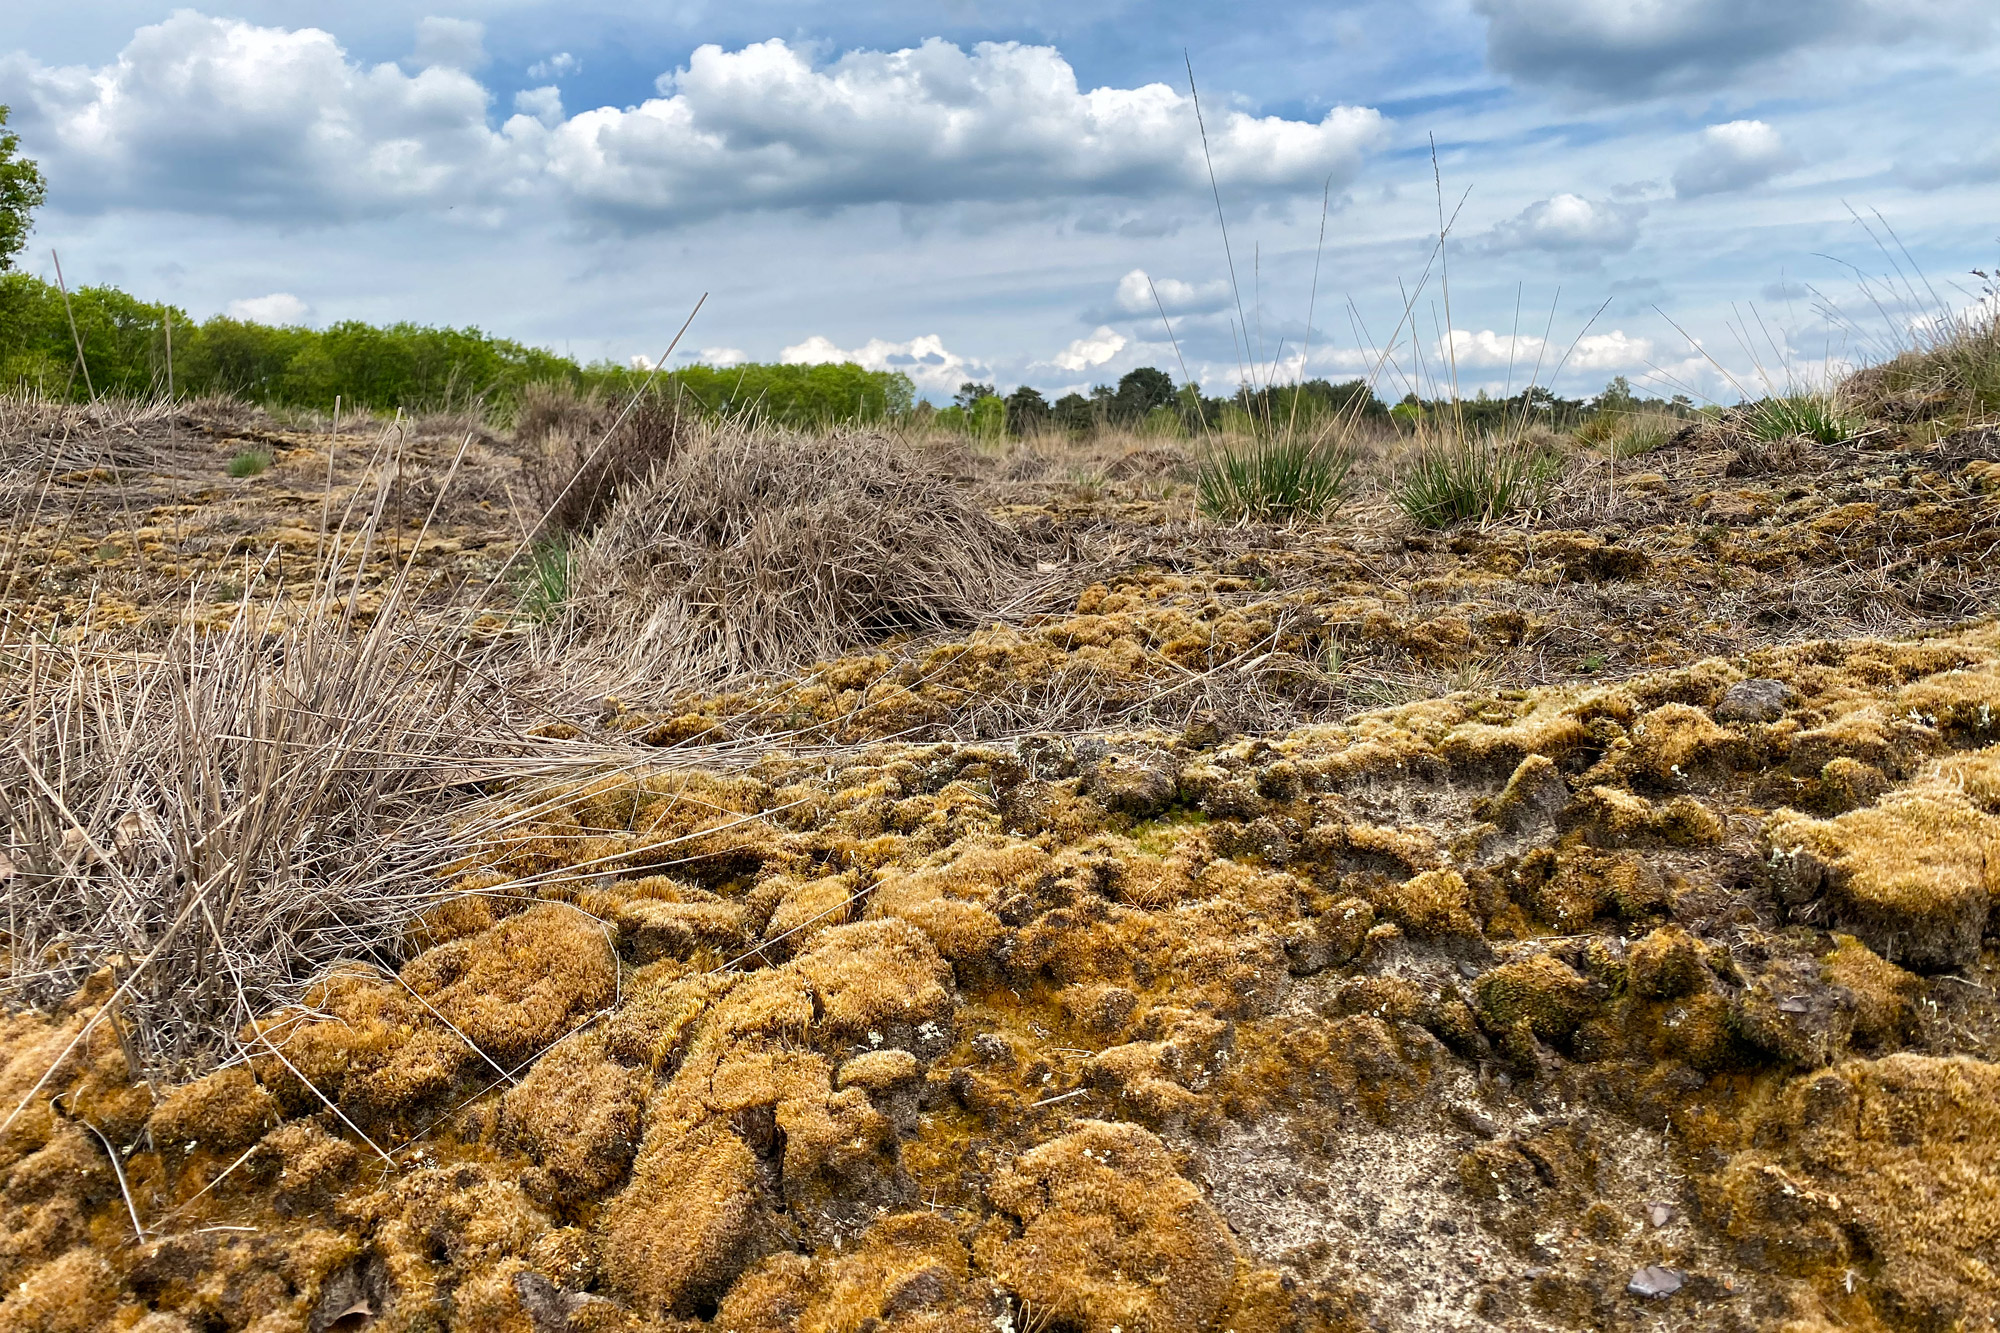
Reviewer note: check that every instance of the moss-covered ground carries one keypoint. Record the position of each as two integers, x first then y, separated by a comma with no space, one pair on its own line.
1587,921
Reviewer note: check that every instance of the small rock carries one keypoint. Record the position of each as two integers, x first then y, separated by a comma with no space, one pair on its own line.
1659,1214
1468,970
1653,1280
1760,700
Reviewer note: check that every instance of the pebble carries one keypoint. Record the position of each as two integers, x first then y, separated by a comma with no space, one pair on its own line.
1659,1214
1653,1280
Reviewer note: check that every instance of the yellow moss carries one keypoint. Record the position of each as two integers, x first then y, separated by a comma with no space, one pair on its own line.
71,1294
1111,1236
1884,994
1675,743
689,1221
874,975
1888,1164
1912,876
577,1113
1667,964
1432,905
1543,993
517,987
224,1112
807,910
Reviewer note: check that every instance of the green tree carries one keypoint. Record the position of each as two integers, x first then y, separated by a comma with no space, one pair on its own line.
1074,412
1142,390
971,392
22,190
1026,409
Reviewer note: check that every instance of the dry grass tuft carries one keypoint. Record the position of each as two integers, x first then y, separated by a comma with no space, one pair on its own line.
217,821
758,549
580,453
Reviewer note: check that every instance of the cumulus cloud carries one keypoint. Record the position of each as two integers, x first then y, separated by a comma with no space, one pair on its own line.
1571,224
1134,295
217,115
763,127
1488,350
213,115
1635,48
931,366
450,44
1099,347
1734,156
558,66
544,104
280,308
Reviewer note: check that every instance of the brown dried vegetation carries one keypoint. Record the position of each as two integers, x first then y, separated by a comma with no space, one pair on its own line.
1321,929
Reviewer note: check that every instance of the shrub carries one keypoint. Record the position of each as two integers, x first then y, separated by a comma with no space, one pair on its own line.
1454,478
1815,416
249,463
1268,479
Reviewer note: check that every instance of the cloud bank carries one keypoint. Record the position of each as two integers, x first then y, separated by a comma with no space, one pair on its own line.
214,115
1637,48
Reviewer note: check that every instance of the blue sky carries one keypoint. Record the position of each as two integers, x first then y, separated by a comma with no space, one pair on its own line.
965,191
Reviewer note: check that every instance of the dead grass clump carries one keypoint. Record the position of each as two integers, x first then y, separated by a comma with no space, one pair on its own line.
580,453
759,548
1954,370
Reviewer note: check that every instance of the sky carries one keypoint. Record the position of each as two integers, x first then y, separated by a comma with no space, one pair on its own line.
1715,197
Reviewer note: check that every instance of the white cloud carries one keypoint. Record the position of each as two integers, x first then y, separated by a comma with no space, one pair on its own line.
721,356
1099,347
1134,295
1530,356
762,127
1734,156
544,104
216,115
932,367
560,65
450,44
279,308
1636,48
1569,223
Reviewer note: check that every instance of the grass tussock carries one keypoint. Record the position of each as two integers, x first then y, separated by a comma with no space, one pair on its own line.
759,548
1273,478
219,819
580,452
1624,435
249,463
1952,370
1814,416
1453,478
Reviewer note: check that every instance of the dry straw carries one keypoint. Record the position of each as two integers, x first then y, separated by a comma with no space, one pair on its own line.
756,548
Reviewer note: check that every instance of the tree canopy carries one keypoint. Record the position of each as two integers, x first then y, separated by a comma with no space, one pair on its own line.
22,191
